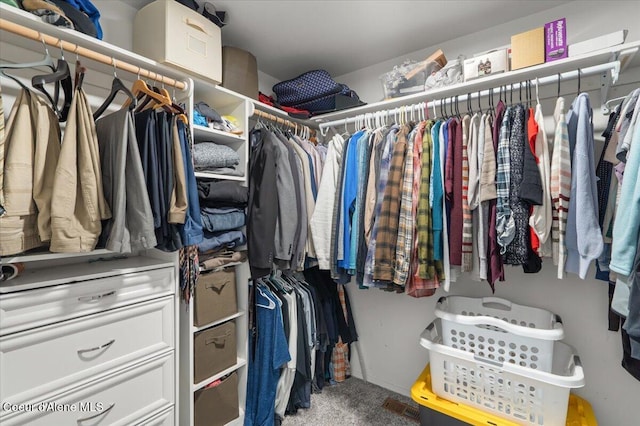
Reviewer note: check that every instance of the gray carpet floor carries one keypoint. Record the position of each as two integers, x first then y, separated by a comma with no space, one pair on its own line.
352,402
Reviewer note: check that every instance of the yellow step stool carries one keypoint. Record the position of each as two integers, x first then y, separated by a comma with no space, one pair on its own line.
433,409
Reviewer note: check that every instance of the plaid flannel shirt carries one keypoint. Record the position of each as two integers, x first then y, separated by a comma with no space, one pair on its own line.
404,243
389,212
505,225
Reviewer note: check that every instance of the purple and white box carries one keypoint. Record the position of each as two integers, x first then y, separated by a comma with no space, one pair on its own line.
555,35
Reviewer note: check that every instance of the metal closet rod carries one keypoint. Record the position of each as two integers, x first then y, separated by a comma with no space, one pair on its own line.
584,72
90,54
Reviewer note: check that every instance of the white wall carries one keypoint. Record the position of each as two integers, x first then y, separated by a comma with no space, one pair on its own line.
389,325
585,20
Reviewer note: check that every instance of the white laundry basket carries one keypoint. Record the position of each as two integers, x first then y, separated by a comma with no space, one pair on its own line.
520,394
499,330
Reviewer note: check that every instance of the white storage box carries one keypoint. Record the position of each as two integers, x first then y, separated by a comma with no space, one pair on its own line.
170,33
500,330
520,394
488,63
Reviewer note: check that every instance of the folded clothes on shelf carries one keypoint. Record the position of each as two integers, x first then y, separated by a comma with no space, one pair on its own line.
223,193
219,258
228,171
216,240
222,219
207,155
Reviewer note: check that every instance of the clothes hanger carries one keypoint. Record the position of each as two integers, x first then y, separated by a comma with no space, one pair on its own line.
140,87
116,86
559,78
80,70
457,110
271,305
469,106
61,76
479,104
608,105
47,61
537,94
579,74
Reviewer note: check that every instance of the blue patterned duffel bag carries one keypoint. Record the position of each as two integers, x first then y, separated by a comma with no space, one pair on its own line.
314,91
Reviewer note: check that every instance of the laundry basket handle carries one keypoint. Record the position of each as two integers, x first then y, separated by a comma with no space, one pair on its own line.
504,303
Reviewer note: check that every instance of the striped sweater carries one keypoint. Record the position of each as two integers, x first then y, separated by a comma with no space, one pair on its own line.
467,224
560,186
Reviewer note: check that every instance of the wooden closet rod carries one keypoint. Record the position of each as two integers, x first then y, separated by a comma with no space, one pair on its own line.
279,120
596,69
90,54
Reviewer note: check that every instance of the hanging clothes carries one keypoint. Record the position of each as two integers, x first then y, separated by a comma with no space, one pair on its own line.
30,148
583,237
131,225
77,201
322,219
265,359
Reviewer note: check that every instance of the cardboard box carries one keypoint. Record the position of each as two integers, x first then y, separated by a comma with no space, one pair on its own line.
598,43
527,49
214,350
215,296
217,406
488,63
555,40
240,71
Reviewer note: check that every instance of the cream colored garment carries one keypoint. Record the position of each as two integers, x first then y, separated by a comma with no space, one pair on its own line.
78,205
178,201
31,146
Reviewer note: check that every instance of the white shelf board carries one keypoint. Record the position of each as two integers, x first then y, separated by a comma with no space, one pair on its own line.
219,176
29,20
220,321
47,255
241,362
511,77
32,278
202,134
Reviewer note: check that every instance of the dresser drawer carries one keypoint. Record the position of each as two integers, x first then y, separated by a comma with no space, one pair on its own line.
165,418
44,361
114,399
33,308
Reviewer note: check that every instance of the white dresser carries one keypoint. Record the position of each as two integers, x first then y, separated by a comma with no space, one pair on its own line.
89,340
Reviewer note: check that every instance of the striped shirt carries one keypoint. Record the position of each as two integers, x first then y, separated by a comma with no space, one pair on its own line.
560,186
467,221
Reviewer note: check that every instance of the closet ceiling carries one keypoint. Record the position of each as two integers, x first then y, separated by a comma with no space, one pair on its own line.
291,37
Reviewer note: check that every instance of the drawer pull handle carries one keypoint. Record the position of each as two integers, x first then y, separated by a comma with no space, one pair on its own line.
196,25
96,298
97,348
105,411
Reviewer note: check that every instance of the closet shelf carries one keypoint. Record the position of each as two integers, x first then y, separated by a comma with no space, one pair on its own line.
220,321
241,362
32,278
202,134
47,255
625,53
207,175
30,21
